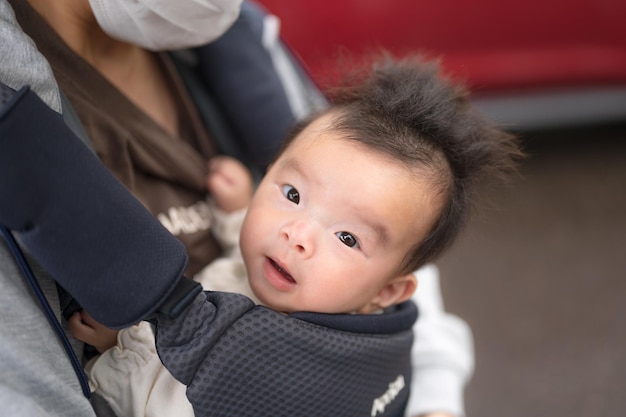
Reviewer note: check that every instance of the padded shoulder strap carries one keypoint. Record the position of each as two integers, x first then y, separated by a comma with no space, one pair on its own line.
256,91
83,226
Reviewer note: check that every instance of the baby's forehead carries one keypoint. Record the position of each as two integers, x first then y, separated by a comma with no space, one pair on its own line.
428,172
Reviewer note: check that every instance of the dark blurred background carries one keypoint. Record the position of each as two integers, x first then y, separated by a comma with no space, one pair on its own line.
539,272
540,279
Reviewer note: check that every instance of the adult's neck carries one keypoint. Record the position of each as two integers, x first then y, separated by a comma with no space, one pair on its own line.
76,24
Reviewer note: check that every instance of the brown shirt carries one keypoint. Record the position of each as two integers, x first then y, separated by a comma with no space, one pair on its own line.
166,173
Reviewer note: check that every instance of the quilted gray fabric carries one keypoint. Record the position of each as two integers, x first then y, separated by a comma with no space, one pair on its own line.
238,359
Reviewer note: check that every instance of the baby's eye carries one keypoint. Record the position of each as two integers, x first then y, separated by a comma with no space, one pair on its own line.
348,239
291,193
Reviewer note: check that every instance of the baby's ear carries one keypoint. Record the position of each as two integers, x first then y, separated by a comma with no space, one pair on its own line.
399,289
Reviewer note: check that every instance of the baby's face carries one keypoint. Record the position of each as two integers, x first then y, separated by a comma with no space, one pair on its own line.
329,225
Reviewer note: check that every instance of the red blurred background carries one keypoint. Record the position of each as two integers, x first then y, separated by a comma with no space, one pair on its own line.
494,45
550,53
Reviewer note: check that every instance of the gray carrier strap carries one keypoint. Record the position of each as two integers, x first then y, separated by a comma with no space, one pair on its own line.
238,359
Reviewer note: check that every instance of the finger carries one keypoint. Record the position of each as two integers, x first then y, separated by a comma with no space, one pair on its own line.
78,328
218,185
75,320
88,320
218,163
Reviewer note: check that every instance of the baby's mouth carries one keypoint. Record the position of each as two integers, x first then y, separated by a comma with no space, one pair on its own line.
282,271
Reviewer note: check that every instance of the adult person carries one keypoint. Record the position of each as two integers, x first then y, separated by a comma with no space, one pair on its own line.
153,119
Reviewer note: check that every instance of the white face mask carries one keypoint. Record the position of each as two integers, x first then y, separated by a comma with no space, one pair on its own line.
165,24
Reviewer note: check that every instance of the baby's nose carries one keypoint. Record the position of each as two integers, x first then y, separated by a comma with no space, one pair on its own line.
301,236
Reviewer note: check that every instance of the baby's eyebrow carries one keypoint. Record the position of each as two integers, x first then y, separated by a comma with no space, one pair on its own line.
291,163
382,234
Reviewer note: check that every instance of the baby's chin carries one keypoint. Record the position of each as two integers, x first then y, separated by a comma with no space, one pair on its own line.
270,303
278,308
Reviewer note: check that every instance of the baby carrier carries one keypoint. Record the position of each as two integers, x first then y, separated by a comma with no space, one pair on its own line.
81,224
240,359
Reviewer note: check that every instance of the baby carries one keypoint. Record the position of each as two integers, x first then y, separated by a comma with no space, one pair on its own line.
358,198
